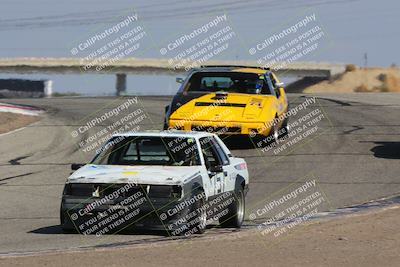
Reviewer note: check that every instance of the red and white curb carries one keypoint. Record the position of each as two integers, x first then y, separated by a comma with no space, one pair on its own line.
19,109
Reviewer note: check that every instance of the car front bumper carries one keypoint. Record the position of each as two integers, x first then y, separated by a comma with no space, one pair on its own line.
151,214
222,127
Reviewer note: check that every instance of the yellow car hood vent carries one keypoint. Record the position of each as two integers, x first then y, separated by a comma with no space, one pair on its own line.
206,104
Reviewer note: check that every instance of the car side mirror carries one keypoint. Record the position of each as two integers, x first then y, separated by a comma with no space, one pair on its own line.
76,166
280,84
179,80
216,169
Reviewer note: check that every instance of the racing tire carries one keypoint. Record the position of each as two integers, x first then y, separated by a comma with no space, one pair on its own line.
165,126
235,216
197,225
273,136
63,228
286,127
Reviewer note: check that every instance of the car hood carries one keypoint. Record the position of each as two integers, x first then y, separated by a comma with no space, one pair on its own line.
165,175
234,107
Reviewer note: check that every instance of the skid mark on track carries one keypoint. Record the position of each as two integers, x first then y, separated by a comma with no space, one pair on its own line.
342,103
16,160
16,176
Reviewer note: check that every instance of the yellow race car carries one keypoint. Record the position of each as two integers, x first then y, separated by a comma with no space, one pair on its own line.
229,100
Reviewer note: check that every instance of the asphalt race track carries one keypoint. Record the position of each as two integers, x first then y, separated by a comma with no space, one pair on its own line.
354,156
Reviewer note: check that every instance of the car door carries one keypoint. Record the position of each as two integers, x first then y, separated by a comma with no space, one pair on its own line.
228,170
273,83
213,162
279,88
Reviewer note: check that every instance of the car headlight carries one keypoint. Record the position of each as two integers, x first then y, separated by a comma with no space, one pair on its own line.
76,189
165,191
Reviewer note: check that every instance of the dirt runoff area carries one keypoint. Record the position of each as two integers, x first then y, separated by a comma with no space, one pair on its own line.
11,121
366,239
357,79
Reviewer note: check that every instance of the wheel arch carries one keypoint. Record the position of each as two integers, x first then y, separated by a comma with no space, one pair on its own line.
240,182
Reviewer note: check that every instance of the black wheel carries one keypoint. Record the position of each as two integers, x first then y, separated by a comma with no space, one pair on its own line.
165,126
235,216
197,224
62,220
275,132
273,136
200,220
285,128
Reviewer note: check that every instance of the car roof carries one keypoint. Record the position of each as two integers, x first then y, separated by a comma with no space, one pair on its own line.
243,69
166,133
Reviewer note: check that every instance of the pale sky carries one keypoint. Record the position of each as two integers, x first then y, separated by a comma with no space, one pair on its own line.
50,28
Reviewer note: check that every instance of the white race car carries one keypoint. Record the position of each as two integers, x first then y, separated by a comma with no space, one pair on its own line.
173,180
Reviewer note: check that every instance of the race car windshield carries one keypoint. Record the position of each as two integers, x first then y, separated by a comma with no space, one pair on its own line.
139,150
231,82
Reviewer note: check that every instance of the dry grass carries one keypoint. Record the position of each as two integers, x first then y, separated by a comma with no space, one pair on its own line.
11,121
362,89
360,80
350,67
390,83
